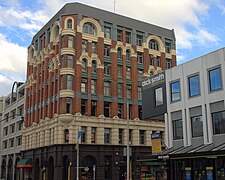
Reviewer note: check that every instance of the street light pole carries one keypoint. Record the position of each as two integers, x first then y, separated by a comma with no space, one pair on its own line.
78,149
128,148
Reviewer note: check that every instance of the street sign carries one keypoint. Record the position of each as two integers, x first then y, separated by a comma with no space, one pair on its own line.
86,169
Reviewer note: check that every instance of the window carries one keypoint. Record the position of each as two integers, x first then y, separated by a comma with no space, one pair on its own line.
140,57
107,69
196,126
70,41
94,47
139,93
19,125
107,109
175,91
83,106
157,61
11,142
119,53
66,135
153,44
121,136
13,114
218,120
128,37
93,86
215,80
159,96
107,88
5,144
120,110
119,35
151,59
5,131
120,90
130,136
142,137
140,74
69,61
120,71
19,141
129,91
194,86
177,129
107,50
56,31
69,23
83,136
84,65
94,66
89,28
84,45
107,32
12,128
69,81
93,108
106,135
84,85
168,63
69,105
128,73
93,135
139,40
168,47
128,55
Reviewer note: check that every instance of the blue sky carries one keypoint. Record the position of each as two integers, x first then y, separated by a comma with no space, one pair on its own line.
199,27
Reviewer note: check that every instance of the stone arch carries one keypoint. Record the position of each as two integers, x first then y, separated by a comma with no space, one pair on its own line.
56,26
131,50
66,22
97,61
85,56
99,32
30,53
122,47
160,43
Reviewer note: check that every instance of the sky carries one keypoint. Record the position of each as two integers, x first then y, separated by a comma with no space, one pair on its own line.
199,27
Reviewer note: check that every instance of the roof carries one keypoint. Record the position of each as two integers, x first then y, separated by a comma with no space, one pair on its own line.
82,9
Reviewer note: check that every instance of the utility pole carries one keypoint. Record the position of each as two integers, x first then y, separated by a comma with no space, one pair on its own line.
128,148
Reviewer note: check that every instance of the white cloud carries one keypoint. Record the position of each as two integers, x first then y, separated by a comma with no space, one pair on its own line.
13,63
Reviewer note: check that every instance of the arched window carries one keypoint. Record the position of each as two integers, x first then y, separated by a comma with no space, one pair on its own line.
69,23
153,44
94,66
84,65
119,53
128,55
66,135
56,31
89,28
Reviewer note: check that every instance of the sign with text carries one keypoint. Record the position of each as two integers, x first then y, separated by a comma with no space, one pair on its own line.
156,143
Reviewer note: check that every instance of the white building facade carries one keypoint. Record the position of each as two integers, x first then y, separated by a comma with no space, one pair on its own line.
11,132
195,118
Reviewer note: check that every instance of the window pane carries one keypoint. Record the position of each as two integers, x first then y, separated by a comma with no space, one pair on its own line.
194,88
177,129
215,79
197,128
158,96
175,91
218,120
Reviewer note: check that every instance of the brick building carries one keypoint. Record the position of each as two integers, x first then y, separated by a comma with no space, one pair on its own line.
83,67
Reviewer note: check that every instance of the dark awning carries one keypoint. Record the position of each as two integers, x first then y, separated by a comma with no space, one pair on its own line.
24,163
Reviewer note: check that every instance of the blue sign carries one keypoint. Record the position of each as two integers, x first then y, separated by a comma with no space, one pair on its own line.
80,134
156,136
